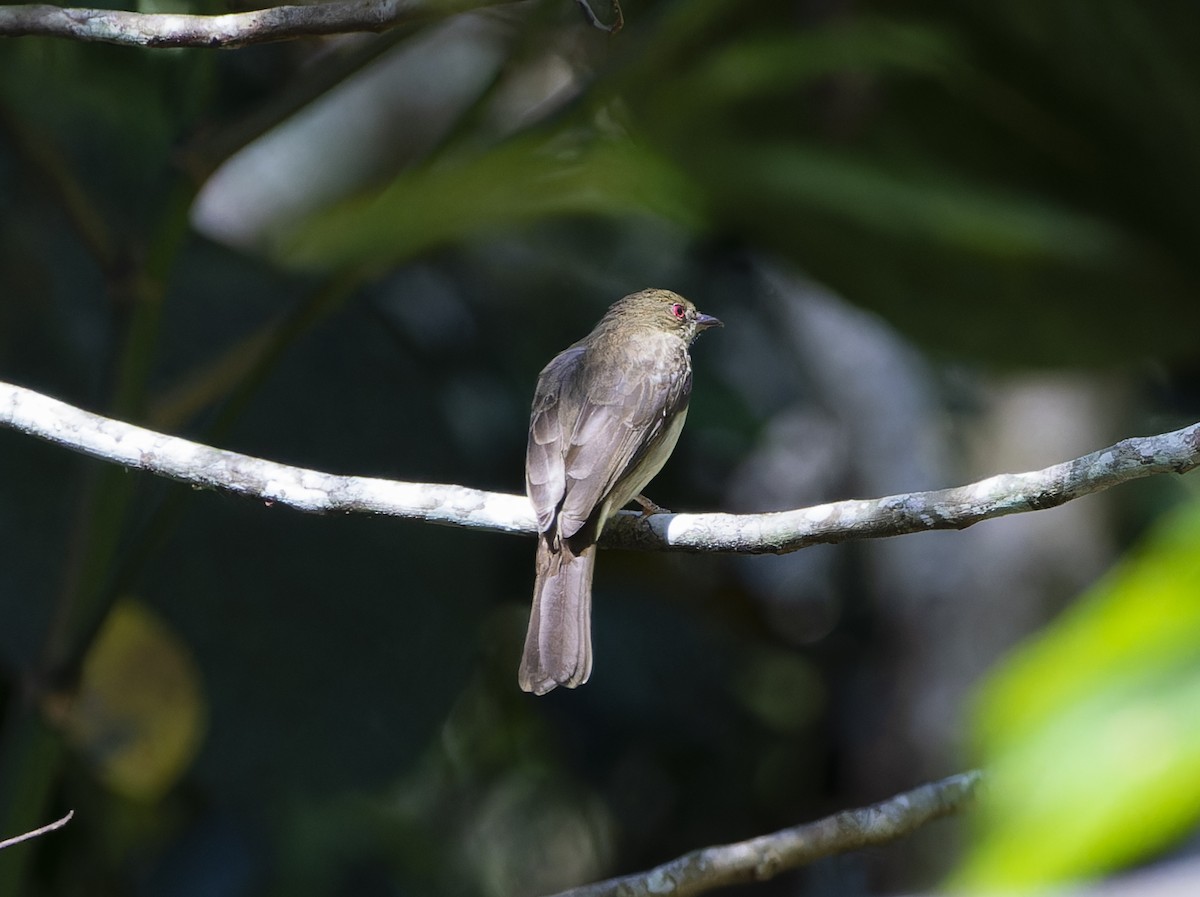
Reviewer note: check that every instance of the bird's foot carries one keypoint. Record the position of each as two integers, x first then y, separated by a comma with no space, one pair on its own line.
649,507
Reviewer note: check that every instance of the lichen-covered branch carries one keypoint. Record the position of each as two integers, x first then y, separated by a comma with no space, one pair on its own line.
914,512
294,487
238,29
767,855
779,532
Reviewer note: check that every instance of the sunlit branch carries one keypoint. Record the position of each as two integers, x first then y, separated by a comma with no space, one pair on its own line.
767,855
37,832
238,29
778,532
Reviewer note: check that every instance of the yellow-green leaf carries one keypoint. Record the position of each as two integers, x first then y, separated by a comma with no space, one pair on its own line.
139,713
1091,733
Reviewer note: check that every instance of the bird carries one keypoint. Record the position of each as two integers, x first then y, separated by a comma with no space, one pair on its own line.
607,412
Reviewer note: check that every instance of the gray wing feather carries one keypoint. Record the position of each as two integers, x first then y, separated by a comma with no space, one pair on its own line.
615,428
545,472
573,465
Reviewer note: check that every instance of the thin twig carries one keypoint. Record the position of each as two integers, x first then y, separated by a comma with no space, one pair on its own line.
777,533
618,21
240,29
53,826
767,855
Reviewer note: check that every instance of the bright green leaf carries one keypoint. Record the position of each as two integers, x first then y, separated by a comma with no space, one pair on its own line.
1091,733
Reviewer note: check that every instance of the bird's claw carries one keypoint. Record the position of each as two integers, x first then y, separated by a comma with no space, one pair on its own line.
649,507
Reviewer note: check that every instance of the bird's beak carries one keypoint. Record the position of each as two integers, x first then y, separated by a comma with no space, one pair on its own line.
703,321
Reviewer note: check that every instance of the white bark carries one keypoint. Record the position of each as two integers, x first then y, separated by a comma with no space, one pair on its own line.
778,532
238,29
767,855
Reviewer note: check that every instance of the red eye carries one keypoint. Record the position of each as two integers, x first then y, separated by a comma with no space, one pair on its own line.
678,311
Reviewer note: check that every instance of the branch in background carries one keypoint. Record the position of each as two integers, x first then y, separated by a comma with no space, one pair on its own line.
240,29
779,532
618,21
53,826
767,855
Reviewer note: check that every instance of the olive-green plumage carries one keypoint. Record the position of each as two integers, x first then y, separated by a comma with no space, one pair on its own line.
606,416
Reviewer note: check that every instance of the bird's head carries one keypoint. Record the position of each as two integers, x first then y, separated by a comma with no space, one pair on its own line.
665,311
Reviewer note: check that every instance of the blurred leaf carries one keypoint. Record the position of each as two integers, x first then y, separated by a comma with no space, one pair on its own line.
532,836
748,69
930,207
508,187
1091,733
782,689
139,712
960,168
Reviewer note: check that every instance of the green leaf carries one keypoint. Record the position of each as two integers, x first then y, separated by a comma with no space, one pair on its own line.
140,711
507,187
748,69
1091,733
929,207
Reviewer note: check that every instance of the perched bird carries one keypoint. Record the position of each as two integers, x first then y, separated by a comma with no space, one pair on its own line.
606,416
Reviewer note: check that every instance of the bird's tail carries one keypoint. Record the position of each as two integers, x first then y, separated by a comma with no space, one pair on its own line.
558,646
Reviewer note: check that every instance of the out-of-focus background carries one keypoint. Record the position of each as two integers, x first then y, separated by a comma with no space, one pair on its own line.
948,239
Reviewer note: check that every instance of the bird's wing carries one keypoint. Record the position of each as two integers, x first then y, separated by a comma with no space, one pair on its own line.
545,472
622,417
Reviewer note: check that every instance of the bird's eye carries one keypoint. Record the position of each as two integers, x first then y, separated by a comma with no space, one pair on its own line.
678,311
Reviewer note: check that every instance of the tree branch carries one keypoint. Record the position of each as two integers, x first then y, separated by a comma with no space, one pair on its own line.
767,855
618,21
225,31
49,827
778,532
